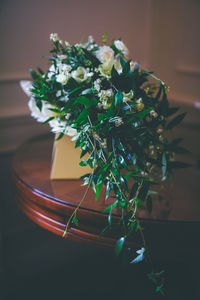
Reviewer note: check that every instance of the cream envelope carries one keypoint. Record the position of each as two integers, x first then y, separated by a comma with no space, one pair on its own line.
66,159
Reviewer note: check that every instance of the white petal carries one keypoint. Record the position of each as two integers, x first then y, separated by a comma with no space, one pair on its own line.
26,86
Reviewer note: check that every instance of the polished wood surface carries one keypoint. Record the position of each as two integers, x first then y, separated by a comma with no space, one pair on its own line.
50,203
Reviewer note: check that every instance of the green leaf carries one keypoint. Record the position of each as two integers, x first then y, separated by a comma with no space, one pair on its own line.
157,97
83,163
83,153
56,110
176,121
104,38
122,161
98,189
108,114
114,73
82,100
122,61
119,245
75,220
33,74
40,71
110,207
133,190
107,190
140,256
60,136
149,204
91,57
74,90
110,218
48,120
118,98
164,105
120,146
82,117
39,104
143,113
164,165
126,68
144,190
86,101
129,175
93,101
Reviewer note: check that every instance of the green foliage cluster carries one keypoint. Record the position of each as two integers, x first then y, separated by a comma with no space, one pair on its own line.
124,133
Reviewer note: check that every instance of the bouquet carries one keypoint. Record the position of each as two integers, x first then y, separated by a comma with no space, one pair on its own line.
118,114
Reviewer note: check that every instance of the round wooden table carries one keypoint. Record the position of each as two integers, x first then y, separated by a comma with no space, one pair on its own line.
171,229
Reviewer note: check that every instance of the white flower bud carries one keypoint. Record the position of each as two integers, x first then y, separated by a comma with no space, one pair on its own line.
153,113
133,64
54,37
159,130
67,44
139,104
120,46
58,93
90,39
118,122
97,84
128,96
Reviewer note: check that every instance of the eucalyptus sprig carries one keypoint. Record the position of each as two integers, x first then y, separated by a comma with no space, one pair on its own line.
119,118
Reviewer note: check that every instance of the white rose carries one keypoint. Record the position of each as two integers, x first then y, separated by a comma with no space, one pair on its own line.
105,69
80,74
42,115
62,78
120,46
26,86
105,54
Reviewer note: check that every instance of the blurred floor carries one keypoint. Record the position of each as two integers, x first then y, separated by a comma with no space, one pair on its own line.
40,265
